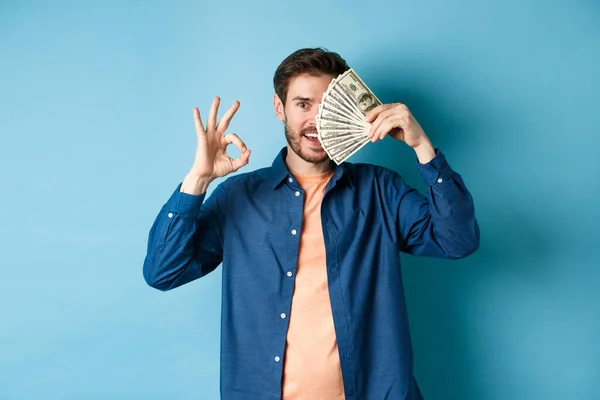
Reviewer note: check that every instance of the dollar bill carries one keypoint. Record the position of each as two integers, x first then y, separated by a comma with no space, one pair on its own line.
340,157
329,107
335,99
327,140
341,126
357,92
340,135
329,115
325,123
341,146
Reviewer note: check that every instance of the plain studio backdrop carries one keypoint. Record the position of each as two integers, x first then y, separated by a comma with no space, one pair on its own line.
96,130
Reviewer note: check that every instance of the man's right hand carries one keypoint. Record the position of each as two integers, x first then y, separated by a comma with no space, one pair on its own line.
211,161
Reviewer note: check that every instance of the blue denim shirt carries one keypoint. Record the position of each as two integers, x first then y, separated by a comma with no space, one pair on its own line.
252,223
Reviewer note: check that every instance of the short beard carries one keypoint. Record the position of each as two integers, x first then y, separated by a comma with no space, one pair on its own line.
294,141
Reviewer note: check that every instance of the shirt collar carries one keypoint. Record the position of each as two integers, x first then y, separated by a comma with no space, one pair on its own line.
280,172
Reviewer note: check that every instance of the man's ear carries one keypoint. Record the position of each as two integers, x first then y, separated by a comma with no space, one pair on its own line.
279,108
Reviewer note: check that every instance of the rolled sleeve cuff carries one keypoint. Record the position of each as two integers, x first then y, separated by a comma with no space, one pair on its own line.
437,170
185,204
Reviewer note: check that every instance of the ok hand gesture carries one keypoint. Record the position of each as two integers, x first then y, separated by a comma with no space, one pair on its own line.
212,161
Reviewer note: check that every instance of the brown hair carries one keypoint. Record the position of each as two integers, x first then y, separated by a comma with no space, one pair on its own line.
316,62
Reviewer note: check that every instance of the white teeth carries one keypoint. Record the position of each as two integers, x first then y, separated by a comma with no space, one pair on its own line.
311,135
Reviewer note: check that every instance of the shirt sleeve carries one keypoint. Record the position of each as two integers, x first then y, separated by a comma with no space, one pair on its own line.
186,239
441,224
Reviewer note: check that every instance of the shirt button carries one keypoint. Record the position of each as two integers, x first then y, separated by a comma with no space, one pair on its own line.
277,359
291,180
333,269
283,315
170,215
297,194
294,232
440,180
289,273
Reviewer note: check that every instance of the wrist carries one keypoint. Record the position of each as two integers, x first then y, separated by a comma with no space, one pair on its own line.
195,184
425,151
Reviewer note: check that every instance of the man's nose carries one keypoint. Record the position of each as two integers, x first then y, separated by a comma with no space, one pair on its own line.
313,113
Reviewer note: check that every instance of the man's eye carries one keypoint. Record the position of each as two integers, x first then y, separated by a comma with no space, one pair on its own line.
303,104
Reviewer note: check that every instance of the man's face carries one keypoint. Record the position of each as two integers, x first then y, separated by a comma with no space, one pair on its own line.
302,105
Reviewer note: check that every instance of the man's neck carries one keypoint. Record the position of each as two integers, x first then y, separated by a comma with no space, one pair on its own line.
300,166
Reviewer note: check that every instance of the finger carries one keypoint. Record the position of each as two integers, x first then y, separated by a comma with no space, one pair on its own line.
241,160
371,115
377,132
378,137
384,133
198,122
235,139
386,127
389,124
375,137
224,121
380,118
212,115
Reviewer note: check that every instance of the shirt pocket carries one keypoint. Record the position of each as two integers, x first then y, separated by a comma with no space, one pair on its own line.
351,234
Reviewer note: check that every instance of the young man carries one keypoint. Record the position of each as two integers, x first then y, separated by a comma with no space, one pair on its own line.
312,304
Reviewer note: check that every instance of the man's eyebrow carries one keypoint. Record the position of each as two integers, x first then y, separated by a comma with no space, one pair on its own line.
302,98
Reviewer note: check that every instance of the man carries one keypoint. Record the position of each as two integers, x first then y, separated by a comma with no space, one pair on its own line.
313,305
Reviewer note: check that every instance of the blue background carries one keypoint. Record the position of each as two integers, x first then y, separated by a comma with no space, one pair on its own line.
96,131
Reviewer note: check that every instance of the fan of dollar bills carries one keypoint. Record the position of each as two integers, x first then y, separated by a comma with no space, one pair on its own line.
341,126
